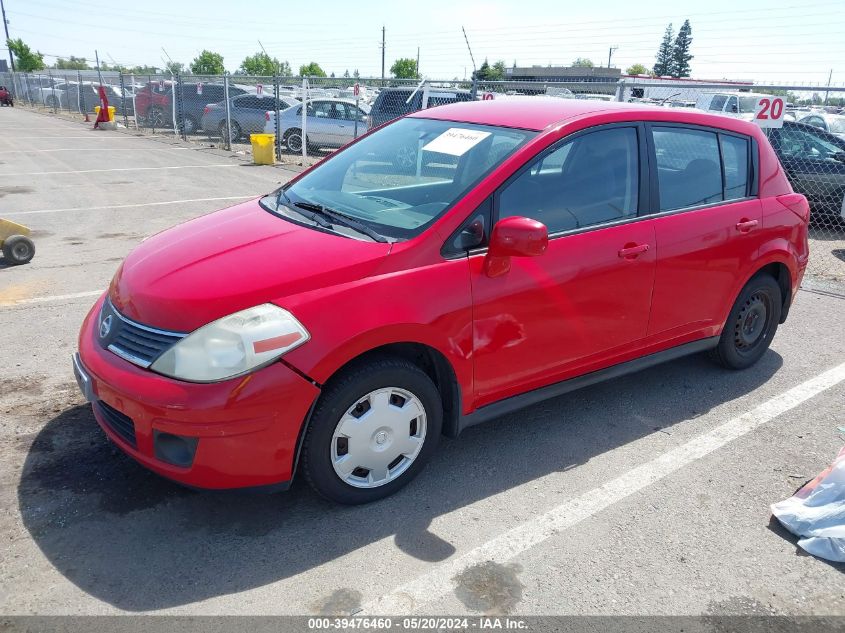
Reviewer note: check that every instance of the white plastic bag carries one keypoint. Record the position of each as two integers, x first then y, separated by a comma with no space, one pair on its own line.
816,513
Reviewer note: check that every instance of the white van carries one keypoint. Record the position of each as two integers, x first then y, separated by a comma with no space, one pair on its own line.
736,104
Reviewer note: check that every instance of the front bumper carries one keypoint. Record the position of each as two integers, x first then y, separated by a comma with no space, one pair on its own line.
244,431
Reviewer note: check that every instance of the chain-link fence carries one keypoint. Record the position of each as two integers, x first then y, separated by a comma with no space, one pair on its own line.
312,117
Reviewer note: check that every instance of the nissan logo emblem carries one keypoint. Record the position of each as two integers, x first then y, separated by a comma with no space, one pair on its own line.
105,326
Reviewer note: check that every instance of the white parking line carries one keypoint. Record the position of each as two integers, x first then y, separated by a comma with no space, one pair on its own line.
75,295
438,582
98,149
129,206
94,171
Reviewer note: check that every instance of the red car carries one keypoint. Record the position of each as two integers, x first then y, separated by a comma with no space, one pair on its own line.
341,324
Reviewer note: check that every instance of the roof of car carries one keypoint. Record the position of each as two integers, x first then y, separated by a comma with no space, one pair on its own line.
538,113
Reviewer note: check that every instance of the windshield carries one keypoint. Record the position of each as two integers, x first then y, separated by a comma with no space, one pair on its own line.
748,104
400,179
837,124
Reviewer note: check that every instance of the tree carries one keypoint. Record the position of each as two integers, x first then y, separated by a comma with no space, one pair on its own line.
356,74
262,64
405,68
680,51
72,63
496,72
636,69
311,70
583,62
346,73
208,63
177,68
663,62
25,60
332,75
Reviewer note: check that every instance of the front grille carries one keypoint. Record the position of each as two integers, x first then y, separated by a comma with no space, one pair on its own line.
122,425
139,344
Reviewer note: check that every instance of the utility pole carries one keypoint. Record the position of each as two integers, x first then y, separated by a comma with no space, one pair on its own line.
418,63
382,54
610,54
827,92
6,26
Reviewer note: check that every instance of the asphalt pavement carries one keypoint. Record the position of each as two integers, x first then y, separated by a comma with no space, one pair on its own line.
645,495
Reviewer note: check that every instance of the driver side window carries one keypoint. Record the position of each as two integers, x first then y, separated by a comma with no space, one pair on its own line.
590,180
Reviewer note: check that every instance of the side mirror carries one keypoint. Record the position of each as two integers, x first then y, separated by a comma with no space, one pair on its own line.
514,237
840,156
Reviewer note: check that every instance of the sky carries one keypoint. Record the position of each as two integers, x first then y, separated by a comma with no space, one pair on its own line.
784,42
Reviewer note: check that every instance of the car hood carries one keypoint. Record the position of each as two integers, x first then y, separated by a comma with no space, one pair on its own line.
230,260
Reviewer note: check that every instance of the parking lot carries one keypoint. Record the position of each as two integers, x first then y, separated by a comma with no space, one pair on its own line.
645,495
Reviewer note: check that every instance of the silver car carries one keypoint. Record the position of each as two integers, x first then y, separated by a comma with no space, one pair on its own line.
247,112
833,123
330,123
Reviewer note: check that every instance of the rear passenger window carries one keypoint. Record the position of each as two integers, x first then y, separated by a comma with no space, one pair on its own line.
718,102
688,167
592,179
735,156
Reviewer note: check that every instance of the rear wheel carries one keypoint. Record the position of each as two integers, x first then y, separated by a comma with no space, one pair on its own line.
751,324
191,124
374,428
18,249
293,140
234,131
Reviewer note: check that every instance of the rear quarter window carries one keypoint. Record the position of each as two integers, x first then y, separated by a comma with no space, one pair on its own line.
689,171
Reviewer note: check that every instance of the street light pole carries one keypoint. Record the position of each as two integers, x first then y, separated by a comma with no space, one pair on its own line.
610,54
6,27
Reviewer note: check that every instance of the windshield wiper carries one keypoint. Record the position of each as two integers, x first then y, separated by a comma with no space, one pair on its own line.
316,219
340,218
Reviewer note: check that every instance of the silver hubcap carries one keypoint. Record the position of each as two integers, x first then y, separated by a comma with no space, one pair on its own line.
294,142
378,438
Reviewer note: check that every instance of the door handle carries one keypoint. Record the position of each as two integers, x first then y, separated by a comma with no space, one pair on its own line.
632,251
744,226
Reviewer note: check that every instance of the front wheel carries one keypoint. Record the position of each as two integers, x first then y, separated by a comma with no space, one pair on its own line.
18,249
751,324
374,428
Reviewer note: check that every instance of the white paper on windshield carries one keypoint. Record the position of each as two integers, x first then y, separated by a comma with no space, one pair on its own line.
456,141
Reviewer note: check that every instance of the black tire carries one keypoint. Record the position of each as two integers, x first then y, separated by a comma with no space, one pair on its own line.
155,117
751,324
234,133
342,393
293,140
18,249
190,124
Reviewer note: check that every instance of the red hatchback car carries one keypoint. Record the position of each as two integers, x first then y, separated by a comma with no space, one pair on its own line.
341,324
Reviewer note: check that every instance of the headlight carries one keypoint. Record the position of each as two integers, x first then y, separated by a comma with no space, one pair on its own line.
233,345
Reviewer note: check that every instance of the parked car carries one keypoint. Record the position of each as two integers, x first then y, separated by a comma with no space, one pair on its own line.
71,95
247,113
154,102
331,123
37,87
735,104
6,97
832,123
814,160
392,103
358,313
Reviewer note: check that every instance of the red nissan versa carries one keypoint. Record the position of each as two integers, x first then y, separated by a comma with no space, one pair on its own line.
341,324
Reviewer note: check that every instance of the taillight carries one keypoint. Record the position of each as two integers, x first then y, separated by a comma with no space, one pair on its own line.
206,110
266,116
